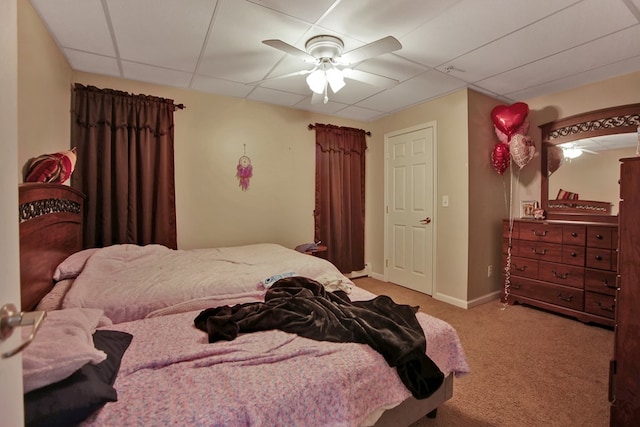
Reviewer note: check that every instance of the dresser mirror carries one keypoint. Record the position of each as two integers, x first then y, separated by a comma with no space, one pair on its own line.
580,163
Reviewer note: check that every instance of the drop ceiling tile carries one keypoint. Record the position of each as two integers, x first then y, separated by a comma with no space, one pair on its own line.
77,24
306,11
576,80
164,34
235,50
328,108
370,20
275,97
392,66
218,86
554,34
359,113
426,86
157,75
471,24
573,61
89,62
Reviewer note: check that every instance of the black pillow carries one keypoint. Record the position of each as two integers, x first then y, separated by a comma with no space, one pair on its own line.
73,399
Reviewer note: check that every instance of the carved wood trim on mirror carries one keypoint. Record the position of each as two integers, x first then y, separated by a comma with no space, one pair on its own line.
608,121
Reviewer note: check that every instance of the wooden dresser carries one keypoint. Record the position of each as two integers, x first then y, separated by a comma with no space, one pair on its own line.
624,381
567,267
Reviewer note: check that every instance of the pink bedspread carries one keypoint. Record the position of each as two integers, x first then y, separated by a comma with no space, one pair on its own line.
130,282
170,375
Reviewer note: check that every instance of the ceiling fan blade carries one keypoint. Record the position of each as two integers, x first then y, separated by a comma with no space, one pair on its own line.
281,76
378,47
372,79
291,50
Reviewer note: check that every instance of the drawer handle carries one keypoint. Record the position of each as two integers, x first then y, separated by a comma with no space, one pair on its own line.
515,286
523,268
605,282
573,254
598,258
611,308
560,276
599,236
574,234
535,251
535,233
568,299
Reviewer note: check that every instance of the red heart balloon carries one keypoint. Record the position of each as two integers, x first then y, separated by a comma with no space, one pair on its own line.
500,157
507,118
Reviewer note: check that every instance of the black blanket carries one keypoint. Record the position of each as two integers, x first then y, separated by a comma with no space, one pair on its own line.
302,306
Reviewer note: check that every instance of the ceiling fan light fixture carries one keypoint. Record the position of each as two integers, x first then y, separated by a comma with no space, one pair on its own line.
317,81
335,79
571,152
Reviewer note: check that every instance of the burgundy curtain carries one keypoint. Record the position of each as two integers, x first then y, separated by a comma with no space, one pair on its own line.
125,167
339,207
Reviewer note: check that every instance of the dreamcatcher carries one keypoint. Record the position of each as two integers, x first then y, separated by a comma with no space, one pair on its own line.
244,170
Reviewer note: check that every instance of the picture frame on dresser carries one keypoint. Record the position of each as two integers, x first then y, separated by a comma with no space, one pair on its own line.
527,208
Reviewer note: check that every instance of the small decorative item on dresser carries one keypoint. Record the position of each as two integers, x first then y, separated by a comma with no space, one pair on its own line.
527,208
539,213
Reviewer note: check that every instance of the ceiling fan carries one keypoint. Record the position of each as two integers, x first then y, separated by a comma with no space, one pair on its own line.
331,65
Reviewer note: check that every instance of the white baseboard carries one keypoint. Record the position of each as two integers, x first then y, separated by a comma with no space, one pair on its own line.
484,299
467,304
450,300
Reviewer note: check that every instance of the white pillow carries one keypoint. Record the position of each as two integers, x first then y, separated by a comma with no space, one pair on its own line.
73,265
53,299
63,345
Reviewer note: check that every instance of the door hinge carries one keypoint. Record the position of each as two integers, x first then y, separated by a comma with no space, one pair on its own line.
386,263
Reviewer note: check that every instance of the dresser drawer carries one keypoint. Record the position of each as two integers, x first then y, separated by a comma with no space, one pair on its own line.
599,258
539,250
600,281
600,237
599,304
574,235
524,267
562,274
554,294
573,255
540,232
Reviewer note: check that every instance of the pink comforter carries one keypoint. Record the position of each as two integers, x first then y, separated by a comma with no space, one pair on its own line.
170,375
130,282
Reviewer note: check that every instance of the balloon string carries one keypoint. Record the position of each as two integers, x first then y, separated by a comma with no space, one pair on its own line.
507,267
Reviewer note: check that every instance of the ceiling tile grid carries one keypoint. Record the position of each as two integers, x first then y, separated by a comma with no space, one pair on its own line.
510,49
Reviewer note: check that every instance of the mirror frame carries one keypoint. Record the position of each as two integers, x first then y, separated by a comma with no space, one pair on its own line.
607,121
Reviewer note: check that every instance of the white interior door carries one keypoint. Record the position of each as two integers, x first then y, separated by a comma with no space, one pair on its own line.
409,237
11,400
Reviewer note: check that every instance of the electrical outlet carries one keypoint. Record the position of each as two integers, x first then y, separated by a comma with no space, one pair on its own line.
489,270
445,201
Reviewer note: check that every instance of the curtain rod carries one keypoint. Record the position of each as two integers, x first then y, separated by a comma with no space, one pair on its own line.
180,106
312,126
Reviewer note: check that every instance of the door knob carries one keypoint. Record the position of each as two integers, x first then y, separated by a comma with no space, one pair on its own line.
427,220
10,319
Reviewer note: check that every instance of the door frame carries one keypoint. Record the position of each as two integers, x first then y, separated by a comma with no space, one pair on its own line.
434,218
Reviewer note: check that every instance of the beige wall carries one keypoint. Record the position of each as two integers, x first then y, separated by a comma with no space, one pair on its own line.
44,82
450,115
489,195
210,136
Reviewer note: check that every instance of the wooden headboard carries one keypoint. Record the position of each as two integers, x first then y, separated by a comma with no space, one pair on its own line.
50,230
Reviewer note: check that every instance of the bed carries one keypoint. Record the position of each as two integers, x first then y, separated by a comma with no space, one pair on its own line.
163,369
